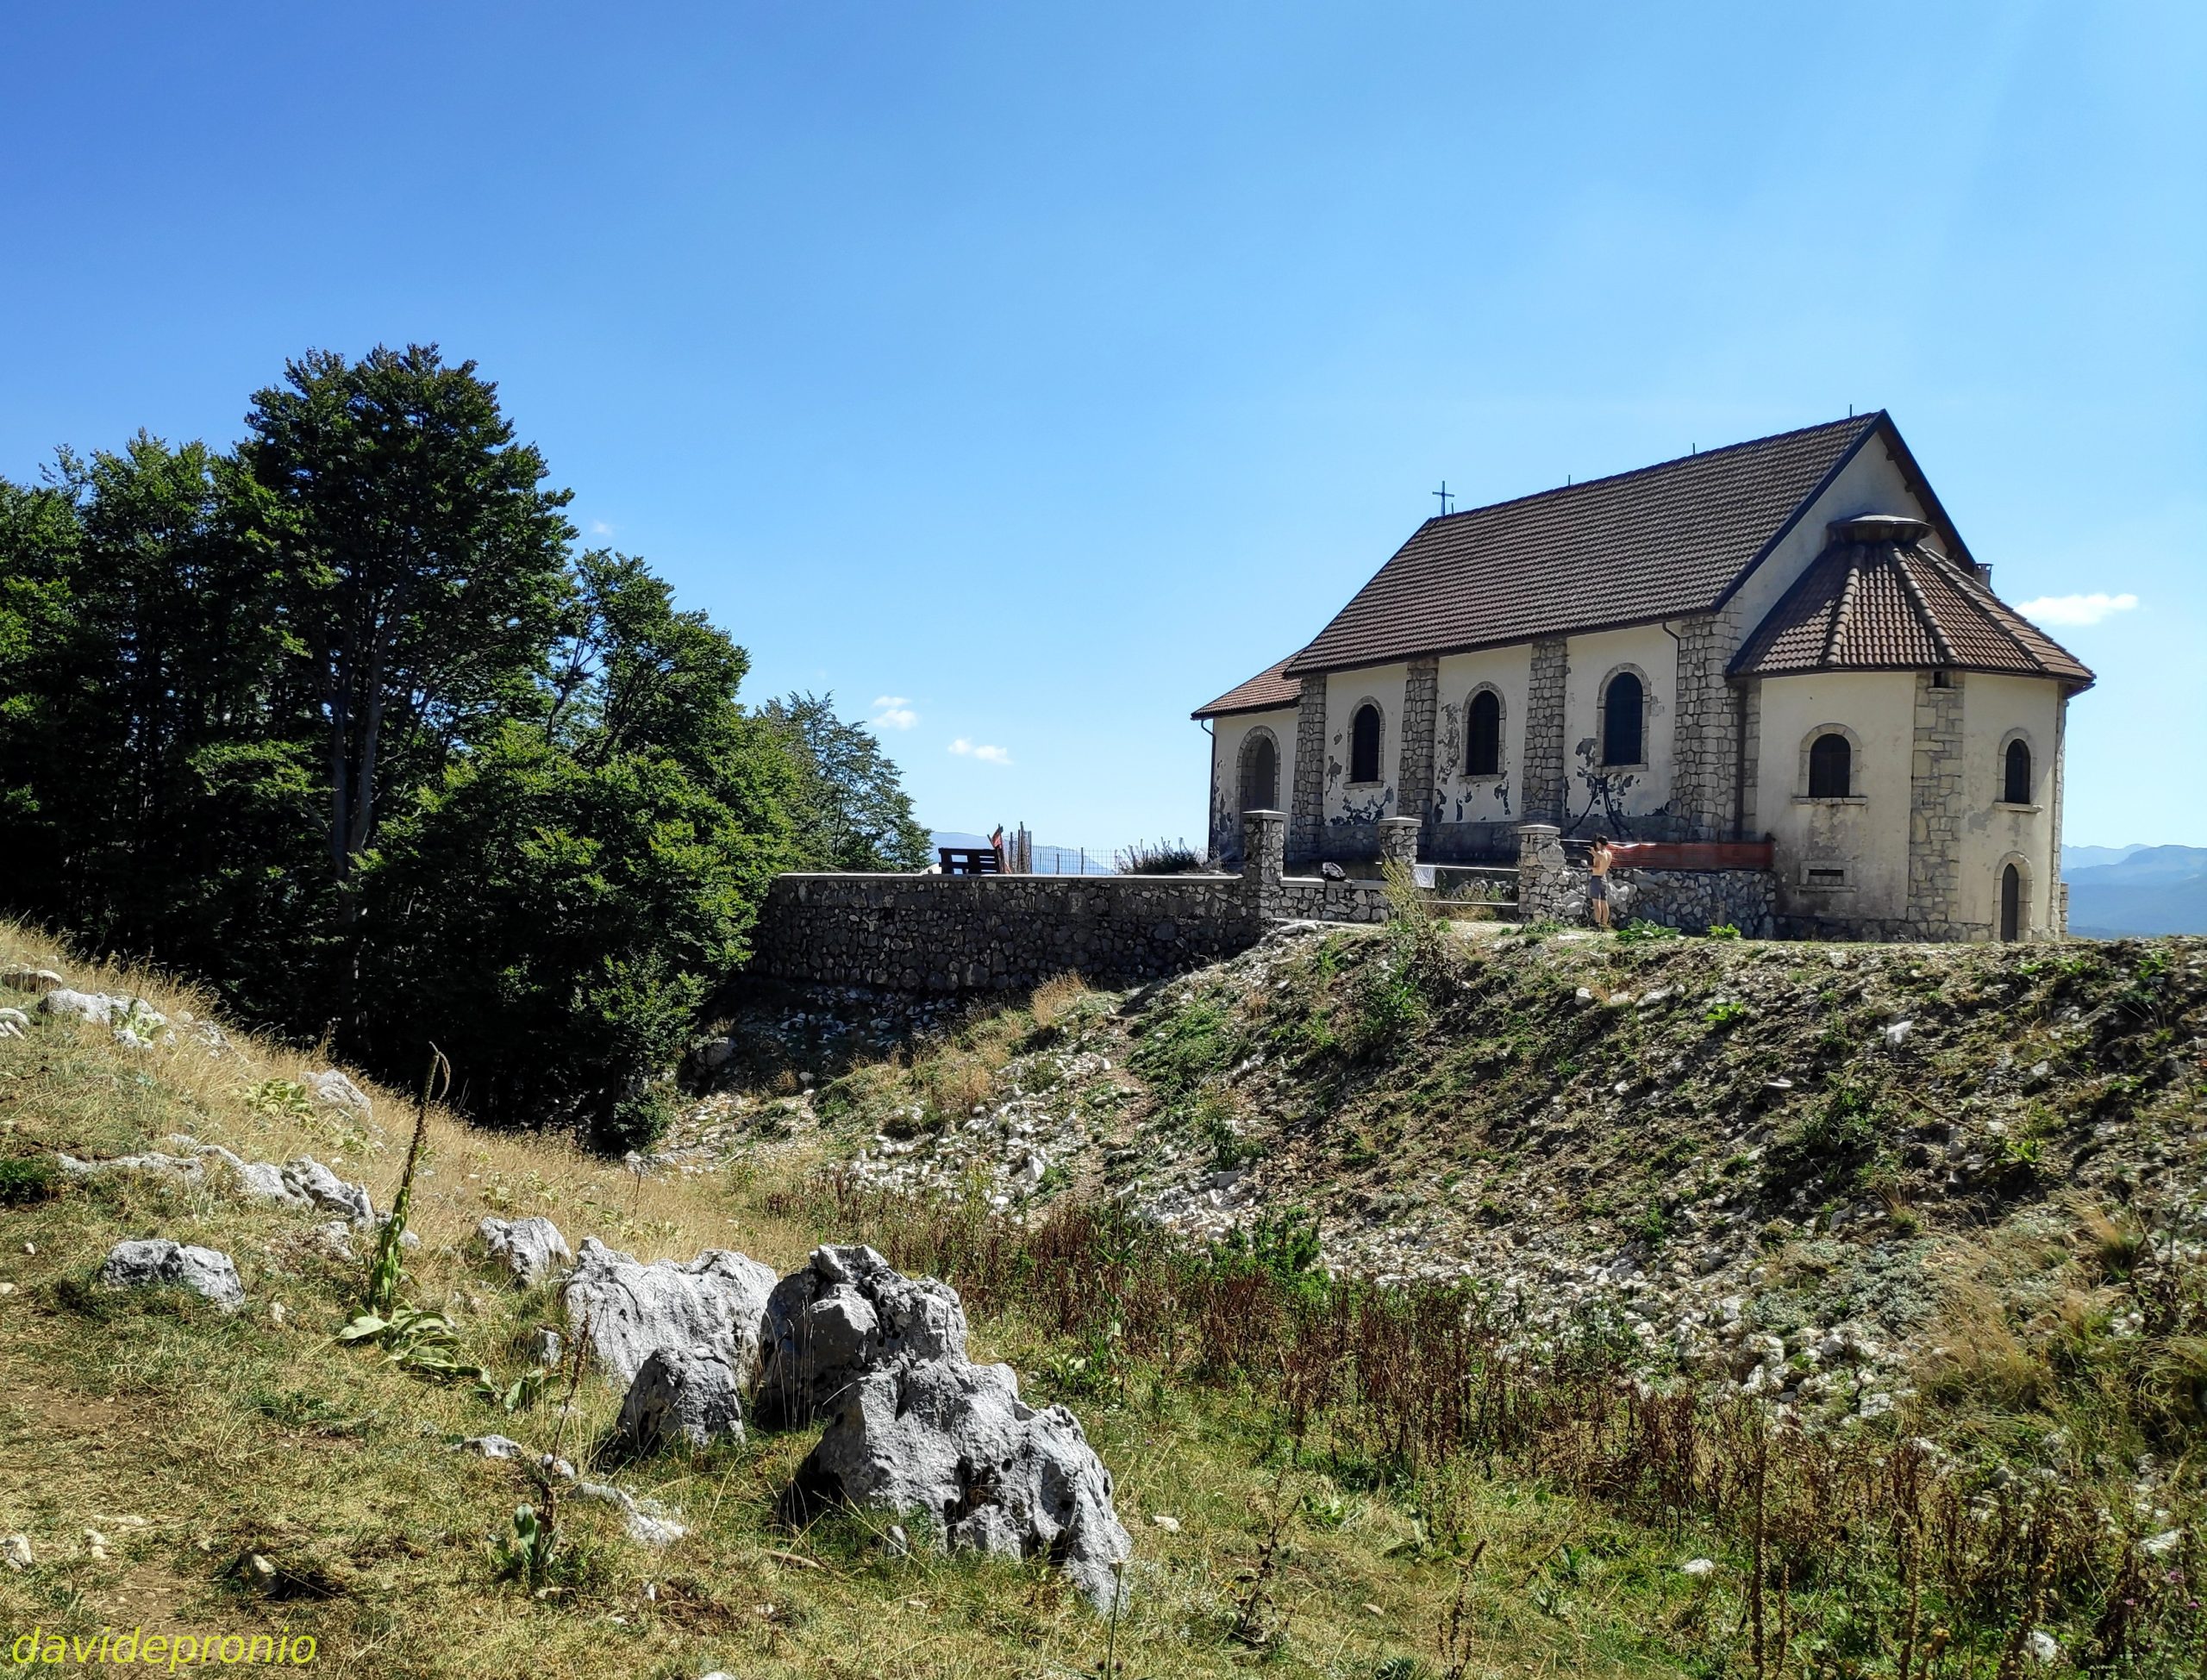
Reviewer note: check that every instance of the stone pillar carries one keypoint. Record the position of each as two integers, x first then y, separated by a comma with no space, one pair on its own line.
2057,890
1705,723
1398,839
1264,846
1543,750
1935,812
1543,870
1307,826
1414,763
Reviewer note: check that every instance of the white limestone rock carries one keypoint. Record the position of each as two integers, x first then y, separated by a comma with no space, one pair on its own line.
93,1006
322,1188
683,1397
152,1262
955,1440
533,1248
717,1301
493,1446
332,1087
846,1312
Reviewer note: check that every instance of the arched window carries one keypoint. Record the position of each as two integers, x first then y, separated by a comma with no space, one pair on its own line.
1831,768
2011,902
1364,743
2016,778
1623,729
1483,724
1259,774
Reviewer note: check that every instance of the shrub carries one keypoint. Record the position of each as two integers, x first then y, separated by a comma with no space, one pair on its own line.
1165,857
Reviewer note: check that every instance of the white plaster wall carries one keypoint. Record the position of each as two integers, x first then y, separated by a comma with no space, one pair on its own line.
1227,734
1592,659
1870,483
1870,839
1345,691
1991,832
1458,798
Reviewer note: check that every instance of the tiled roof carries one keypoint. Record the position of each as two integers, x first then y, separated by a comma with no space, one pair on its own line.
1666,540
1879,598
1267,691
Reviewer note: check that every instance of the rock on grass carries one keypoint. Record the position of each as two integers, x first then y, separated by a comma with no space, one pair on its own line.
155,1262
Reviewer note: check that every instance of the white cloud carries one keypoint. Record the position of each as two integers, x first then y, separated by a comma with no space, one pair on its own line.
893,711
987,755
598,528
2068,610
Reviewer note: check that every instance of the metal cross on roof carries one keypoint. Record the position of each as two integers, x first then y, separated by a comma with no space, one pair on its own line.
1445,498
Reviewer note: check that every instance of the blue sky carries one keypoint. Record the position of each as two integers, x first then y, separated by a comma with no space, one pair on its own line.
1045,370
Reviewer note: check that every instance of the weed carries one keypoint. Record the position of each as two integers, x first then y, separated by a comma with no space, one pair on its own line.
1639,932
1163,858
280,1097
28,1178
1723,930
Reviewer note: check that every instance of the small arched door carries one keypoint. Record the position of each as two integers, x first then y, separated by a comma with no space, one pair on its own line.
1260,776
2011,902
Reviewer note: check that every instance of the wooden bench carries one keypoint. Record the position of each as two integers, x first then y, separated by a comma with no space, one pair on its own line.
970,860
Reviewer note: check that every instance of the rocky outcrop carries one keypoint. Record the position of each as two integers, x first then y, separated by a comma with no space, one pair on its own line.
302,1183
845,1313
993,1474
717,1301
156,1262
533,1249
683,1397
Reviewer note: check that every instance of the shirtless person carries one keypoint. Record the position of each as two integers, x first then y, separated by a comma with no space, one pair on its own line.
1598,883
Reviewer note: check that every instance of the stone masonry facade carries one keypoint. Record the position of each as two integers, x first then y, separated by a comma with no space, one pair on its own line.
1935,812
1706,745
1421,708
1543,778
1307,828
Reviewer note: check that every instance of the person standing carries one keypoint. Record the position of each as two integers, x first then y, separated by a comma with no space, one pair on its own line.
1598,883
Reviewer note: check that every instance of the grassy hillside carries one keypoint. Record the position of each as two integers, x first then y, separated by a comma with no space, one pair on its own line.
1452,1477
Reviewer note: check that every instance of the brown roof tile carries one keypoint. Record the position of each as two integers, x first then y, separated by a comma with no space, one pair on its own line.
1665,540
1879,598
1267,691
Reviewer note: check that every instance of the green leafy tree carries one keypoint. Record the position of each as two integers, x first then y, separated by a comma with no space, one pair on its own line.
342,723
852,811
424,563
560,902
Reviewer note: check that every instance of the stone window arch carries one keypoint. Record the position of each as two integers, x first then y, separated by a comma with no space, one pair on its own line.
1621,718
1483,720
1367,726
1831,765
1258,779
2015,768
2012,897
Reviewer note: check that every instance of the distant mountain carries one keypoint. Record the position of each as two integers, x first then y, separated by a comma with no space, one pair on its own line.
2147,890
2093,857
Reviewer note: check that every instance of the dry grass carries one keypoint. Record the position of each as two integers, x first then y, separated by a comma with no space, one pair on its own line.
194,1443
1359,1464
1055,997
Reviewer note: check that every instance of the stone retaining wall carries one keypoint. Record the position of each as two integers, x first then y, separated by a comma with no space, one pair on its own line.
1552,886
993,932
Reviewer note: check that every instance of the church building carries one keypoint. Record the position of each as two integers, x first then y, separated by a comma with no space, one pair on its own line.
1785,639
